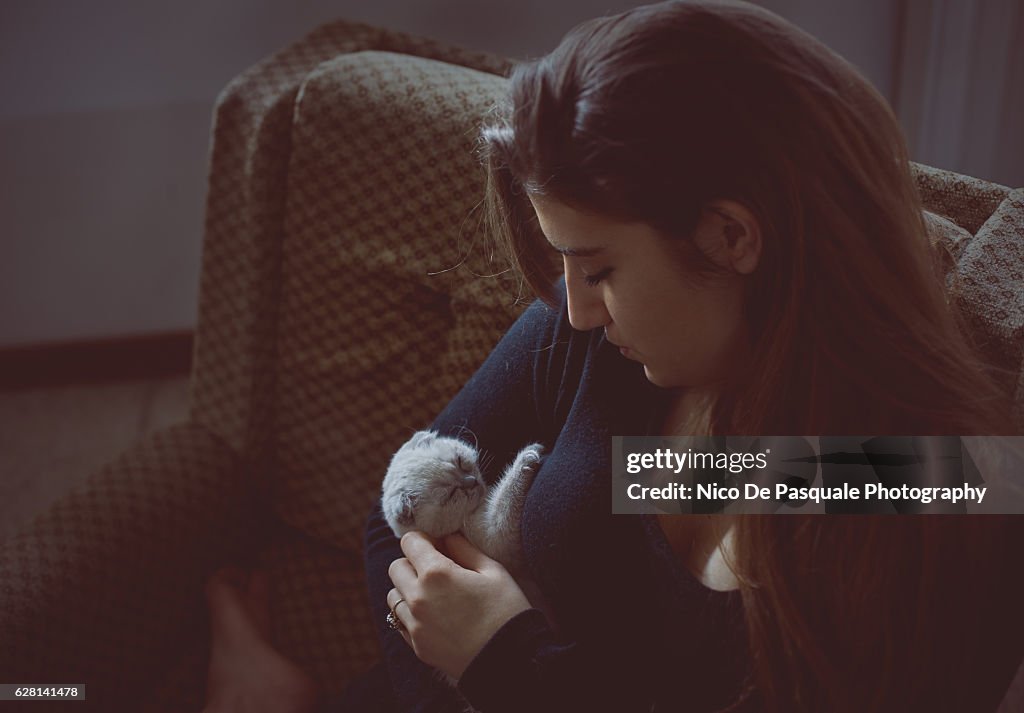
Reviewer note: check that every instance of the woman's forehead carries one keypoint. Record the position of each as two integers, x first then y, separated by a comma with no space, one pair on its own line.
578,233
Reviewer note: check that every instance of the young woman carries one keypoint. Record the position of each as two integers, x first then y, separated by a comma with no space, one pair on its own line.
719,214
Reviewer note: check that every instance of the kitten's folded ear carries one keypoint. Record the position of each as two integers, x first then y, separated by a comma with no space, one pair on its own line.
407,510
422,437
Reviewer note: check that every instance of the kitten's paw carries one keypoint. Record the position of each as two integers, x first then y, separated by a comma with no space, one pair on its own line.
527,461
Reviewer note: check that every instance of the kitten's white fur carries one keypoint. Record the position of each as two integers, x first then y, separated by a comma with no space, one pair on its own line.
434,485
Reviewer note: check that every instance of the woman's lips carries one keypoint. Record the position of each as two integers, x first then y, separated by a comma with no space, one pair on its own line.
624,351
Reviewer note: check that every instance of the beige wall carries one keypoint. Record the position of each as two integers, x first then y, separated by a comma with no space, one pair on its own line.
104,127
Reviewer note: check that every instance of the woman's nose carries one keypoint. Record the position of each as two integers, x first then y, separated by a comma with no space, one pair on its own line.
586,304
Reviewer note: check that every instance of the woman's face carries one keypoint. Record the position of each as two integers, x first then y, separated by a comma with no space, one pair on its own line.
687,331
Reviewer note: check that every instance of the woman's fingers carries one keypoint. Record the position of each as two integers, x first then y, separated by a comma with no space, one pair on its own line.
399,607
402,575
394,597
421,551
465,554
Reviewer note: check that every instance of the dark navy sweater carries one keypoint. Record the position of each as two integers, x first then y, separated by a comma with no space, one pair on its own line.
636,630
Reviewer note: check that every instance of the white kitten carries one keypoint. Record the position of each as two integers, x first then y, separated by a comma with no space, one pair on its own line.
434,485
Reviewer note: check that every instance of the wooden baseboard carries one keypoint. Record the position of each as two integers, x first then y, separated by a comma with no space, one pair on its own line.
88,362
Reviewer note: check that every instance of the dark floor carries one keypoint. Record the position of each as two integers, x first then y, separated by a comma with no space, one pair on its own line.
53,437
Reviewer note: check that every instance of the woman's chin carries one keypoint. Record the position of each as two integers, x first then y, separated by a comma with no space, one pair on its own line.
658,379
667,380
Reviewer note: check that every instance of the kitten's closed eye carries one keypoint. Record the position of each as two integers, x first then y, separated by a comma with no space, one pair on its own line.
432,484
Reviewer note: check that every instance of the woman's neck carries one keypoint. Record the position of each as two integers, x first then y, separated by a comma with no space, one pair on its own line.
688,413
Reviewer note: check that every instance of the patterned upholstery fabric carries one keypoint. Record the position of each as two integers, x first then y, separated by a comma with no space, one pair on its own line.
948,240
233,387
382,315
980,227
965,200
105,587
346,294
991,271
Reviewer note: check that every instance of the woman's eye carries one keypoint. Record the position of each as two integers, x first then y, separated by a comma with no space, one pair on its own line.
595,279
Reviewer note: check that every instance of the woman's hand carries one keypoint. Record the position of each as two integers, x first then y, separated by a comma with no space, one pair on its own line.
451,605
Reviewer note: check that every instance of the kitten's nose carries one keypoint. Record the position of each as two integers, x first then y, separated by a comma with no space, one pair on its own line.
468,481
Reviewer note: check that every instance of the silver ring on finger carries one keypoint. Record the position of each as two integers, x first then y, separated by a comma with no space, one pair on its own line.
394,623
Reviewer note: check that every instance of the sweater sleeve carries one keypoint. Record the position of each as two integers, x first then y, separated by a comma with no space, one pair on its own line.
523,667
502,408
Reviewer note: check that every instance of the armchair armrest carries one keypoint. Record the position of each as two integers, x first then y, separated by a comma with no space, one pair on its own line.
103,588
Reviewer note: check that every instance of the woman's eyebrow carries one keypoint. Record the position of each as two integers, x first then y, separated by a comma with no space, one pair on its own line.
578,252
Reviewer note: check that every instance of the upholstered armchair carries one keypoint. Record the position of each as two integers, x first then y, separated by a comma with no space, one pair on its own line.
347,292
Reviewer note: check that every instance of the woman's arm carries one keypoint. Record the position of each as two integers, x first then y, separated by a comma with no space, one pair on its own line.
523,667
467,617
502,409
521,394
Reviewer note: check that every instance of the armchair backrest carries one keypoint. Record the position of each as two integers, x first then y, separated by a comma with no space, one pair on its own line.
341,176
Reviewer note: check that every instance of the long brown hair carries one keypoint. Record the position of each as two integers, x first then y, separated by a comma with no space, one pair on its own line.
652,114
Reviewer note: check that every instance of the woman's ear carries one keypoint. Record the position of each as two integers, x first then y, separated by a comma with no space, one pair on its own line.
740,235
